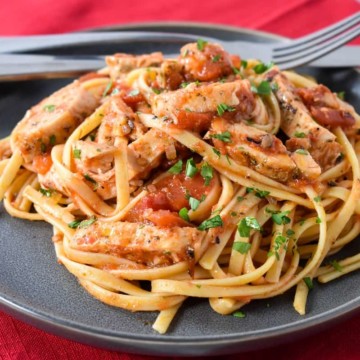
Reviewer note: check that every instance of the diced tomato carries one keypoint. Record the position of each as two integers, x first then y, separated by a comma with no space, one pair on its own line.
132,100
166,218
331,117
194,121
42,163
171,195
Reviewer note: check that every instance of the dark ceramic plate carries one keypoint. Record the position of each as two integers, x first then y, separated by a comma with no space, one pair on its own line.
36,289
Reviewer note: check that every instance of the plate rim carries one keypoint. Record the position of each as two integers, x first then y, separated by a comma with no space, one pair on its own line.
85,334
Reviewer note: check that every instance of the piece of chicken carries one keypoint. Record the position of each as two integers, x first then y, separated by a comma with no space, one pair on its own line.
121,64
296,118
52,121
193,107
254,148
118,121
145,244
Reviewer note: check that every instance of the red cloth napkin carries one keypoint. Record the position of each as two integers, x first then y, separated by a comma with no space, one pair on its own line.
290,18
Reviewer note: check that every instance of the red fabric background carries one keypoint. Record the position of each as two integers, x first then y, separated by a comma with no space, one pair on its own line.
290,18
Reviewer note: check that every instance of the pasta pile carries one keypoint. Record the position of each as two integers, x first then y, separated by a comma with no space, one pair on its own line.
206,175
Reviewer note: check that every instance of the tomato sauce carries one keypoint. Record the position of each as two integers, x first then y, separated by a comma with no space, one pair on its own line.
42,163
161,207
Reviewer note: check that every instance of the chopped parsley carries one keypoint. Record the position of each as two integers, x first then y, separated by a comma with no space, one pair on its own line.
90,179
280,240
211,223
80,224
279,217
191,169
194,203
244,64
184,84
207,173
156,91
52,140
77,153
317,198
274,86
302,152
216,58
107,89
308,282
134,92
221,108
261,68
341,95
46,192
216,151
49,108
263,88
201,44
318,220
258,193
225,136
240,198
42,147
299,135
183,213
177,168
236,70
241,247
336,265
246,224
239,314
290,232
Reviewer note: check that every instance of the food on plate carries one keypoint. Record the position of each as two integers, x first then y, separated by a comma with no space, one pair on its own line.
204,175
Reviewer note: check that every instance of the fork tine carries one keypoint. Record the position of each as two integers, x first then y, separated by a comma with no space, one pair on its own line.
307,56
319,36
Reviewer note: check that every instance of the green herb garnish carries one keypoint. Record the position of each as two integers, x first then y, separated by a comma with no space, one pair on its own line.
191,169
211,223
49,108
52,140
201,44
264,88
107,89
302,152
221,108
194,203
46,192
156,91
216,58
336,265
239,314
300,135
216,151
261,68
207,173
246,224
134,92
77,153
308,282
80,224
177,168
241,247
225,136
183,213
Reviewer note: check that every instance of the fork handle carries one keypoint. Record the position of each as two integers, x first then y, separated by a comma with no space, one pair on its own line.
40,42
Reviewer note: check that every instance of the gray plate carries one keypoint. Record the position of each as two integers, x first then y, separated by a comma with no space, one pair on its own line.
35,289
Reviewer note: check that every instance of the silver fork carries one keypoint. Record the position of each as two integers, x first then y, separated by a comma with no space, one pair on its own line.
286,55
